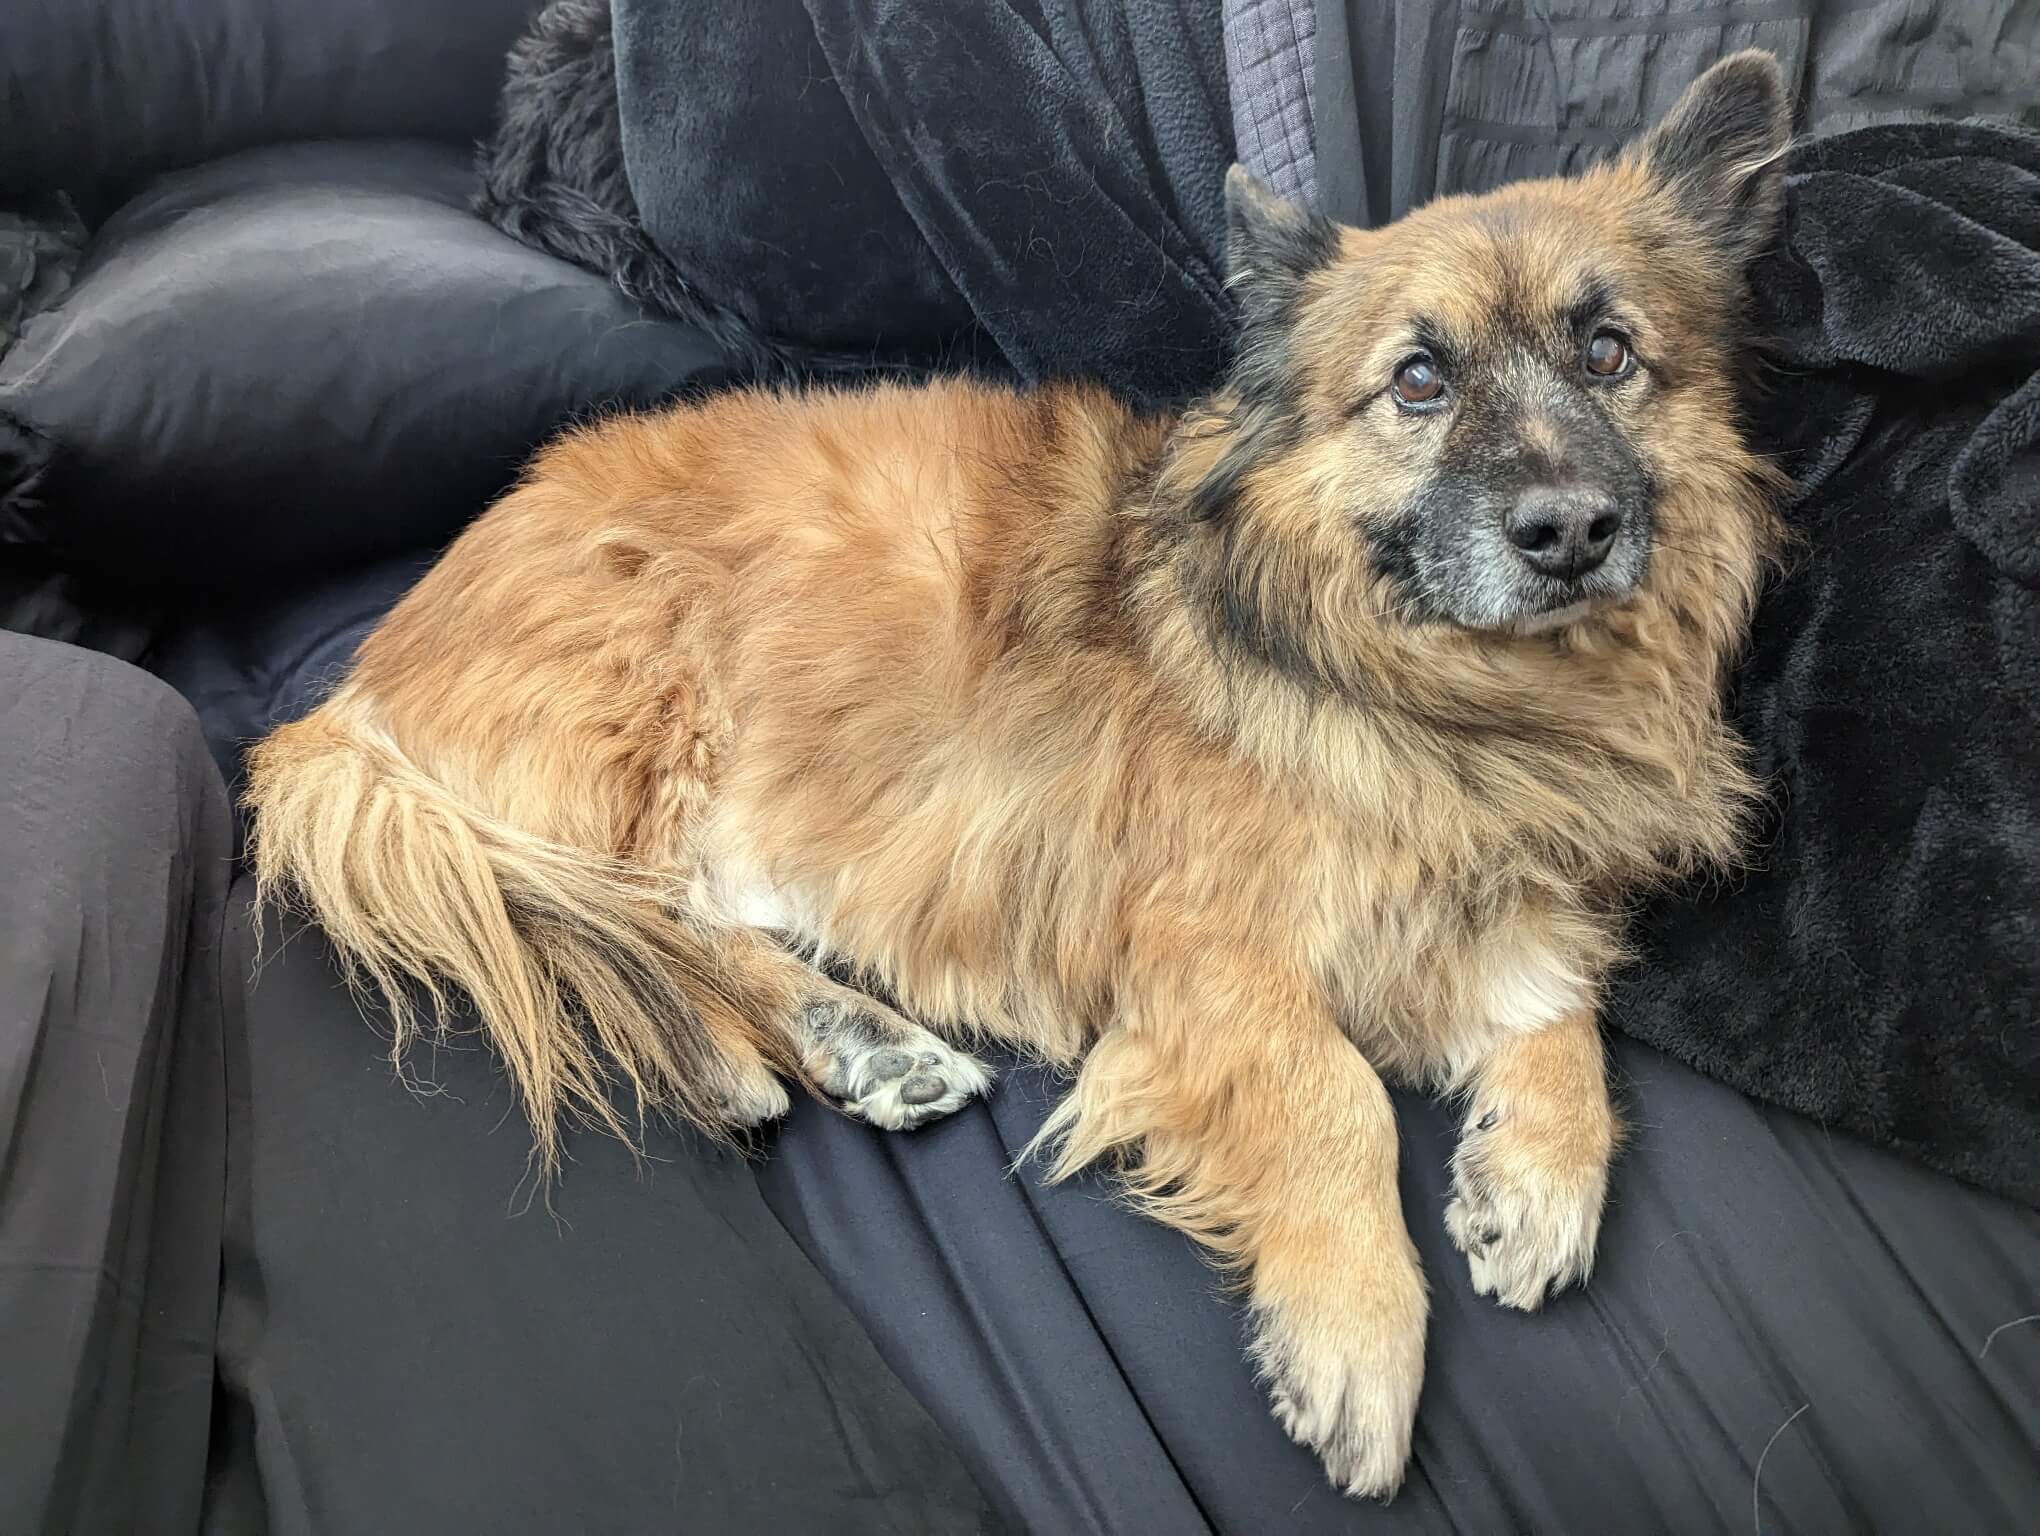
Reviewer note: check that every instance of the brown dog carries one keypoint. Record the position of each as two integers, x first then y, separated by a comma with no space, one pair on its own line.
1246,758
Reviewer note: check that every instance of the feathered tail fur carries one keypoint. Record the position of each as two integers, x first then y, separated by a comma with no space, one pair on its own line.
575,965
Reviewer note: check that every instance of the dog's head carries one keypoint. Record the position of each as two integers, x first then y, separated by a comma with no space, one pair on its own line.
1500,413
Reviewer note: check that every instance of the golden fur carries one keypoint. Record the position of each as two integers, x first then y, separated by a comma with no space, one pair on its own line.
937,681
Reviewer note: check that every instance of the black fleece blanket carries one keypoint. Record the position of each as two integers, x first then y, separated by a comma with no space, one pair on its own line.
1022,187
1880,967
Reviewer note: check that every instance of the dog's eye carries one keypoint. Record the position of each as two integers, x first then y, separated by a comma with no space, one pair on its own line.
1418,382
1608,356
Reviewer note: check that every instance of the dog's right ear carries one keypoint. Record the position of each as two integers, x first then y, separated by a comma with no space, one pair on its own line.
1272,245
1720,151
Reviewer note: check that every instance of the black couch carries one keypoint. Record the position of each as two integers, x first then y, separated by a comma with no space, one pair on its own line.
250,1279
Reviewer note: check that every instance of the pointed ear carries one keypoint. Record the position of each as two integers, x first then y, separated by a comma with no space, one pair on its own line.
1721,151
1271,244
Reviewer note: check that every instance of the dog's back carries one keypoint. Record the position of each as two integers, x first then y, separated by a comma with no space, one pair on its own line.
509,791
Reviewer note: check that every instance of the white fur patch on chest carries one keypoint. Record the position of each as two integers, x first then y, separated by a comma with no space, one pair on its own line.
1525,985
1512,981
759,906
737,894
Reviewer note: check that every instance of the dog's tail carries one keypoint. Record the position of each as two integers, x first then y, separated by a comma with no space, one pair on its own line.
429,901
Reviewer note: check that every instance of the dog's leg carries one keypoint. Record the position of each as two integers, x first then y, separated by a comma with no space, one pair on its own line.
1531,1170
875,1064
1263,1132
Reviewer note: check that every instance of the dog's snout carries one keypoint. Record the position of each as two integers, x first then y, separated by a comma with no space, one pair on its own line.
1563,531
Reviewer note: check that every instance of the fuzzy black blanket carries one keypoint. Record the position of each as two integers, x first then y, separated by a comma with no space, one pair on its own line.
1879,969
1025,188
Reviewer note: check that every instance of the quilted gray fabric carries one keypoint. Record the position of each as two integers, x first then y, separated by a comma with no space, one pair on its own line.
1270,69
1420,98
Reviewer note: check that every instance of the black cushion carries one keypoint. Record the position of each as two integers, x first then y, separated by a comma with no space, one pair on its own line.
111,91
304,356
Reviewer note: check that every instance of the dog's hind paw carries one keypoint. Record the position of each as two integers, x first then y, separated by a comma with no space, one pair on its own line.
882,1068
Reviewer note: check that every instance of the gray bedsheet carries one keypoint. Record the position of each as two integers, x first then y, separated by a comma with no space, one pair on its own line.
1787,1331
114,863
250,1283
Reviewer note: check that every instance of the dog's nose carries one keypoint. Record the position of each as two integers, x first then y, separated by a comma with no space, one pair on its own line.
1564,531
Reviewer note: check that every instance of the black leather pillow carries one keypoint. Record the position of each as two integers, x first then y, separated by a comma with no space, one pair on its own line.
306,356
111,91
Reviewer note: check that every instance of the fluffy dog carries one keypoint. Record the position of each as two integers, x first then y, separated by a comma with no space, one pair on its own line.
1240,760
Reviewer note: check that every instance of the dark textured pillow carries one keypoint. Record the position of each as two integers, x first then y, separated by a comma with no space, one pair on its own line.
306,356
112,91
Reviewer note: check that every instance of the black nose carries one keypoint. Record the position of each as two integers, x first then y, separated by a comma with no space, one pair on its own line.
1564,531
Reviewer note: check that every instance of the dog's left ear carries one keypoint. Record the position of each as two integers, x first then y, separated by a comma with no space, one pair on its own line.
1721,151
1271,245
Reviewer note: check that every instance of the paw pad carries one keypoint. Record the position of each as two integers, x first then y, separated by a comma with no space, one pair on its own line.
884,1069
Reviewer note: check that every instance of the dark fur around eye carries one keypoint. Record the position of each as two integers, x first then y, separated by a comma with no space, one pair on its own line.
1591,308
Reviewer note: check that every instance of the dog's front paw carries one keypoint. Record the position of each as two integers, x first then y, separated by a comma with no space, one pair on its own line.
1527,1191
1345,1381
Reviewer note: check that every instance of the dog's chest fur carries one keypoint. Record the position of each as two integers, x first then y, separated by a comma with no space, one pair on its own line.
1424,968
